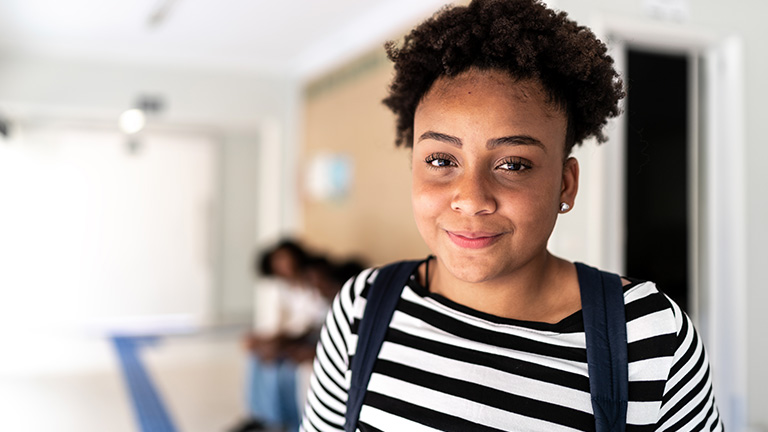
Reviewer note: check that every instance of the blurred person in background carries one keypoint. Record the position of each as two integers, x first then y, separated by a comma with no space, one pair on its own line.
286,310
291,303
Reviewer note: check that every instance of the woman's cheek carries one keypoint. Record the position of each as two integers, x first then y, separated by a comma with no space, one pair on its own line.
426,201
421,201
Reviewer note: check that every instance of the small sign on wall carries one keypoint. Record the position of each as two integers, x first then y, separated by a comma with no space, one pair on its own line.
671,10
329,177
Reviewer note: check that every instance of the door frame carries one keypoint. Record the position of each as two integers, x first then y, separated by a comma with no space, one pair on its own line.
717,266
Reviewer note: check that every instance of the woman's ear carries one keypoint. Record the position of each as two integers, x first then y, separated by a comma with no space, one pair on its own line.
570,183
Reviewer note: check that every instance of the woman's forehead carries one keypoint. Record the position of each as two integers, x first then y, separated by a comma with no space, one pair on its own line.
492,82
488,106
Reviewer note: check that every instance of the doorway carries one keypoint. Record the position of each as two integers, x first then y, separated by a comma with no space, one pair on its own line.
658,214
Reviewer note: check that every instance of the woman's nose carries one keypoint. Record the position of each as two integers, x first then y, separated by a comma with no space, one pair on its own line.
473,195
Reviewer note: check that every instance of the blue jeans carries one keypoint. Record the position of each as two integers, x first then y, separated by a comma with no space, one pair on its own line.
271,392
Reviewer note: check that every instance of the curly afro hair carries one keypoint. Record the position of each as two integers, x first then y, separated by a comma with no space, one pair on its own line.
521,37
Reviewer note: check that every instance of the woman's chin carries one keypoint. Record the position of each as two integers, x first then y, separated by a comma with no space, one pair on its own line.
472,273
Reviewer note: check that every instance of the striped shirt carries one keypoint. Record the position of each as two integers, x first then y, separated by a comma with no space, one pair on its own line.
447,367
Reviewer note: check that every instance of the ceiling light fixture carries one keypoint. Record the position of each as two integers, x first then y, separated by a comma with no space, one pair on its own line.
132,121
160,13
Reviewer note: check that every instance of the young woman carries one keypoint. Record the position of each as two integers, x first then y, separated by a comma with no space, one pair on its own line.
488,332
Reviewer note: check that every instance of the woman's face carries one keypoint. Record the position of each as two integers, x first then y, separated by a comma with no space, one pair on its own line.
284,264
489,173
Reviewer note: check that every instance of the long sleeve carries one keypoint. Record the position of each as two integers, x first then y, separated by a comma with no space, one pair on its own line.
327,397
689,400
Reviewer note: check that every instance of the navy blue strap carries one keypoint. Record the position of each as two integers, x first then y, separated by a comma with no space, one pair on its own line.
380,305
602,304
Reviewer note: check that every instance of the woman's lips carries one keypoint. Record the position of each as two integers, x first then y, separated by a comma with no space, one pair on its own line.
472,240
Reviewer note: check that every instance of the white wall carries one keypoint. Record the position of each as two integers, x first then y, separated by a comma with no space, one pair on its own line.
230,107
238,225
98,239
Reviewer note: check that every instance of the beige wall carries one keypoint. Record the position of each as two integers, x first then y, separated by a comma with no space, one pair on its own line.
343,114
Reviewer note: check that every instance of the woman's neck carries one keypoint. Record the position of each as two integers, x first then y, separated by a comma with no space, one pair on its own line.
545,289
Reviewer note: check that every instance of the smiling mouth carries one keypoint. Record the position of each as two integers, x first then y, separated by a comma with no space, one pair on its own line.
472,240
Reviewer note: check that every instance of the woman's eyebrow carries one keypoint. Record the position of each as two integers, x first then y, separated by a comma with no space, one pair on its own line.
514,140
437,136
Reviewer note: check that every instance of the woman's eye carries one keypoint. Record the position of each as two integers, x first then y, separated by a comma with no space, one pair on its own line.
440,160
514,164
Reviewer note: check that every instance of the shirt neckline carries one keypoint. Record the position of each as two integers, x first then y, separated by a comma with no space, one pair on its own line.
571,323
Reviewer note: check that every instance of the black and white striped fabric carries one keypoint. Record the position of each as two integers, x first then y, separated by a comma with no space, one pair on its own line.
447,367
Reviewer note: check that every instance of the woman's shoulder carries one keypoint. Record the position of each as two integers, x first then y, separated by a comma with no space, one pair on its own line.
357,286
351,298
648,308
353,294
645,298
653,319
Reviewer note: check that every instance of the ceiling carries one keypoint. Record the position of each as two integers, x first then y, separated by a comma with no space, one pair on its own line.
301,38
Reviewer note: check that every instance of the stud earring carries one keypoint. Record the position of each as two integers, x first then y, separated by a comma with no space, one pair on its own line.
564,207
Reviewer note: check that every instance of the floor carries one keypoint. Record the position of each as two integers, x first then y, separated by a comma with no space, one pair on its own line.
77,385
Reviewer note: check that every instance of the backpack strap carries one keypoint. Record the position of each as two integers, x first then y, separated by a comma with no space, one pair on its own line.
380,305
602,304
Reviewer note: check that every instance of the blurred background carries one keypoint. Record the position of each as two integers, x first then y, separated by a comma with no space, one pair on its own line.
150,150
